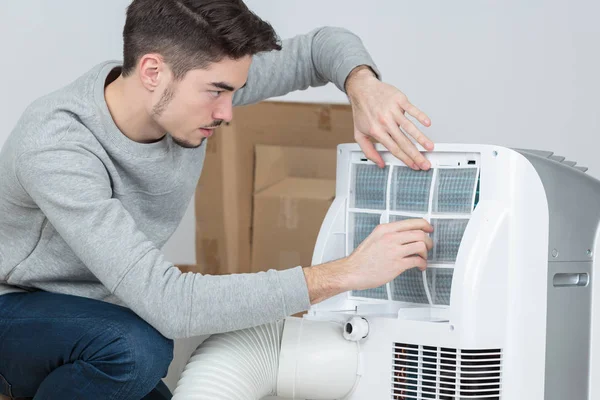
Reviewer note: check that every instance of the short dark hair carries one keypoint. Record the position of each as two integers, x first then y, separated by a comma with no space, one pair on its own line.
191,34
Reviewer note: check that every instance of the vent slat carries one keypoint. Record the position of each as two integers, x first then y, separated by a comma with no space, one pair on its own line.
465,368
428,372
470,353
448,355
465,380
399,395
426,384
468,373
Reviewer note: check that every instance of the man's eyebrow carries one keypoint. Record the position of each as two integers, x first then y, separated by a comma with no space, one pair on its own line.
225,86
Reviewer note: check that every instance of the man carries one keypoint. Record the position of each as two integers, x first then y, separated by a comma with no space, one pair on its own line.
96,176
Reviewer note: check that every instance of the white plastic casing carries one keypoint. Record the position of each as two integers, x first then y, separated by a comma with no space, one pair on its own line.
498,296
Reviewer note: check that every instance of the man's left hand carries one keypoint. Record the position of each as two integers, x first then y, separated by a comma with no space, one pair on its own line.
379,113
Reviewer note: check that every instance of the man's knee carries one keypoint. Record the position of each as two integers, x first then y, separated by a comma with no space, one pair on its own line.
144,352
151,351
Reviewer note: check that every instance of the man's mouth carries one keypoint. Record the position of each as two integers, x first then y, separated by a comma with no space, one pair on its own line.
207,132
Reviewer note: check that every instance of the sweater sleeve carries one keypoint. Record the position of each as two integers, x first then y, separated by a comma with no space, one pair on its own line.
314,59
72,188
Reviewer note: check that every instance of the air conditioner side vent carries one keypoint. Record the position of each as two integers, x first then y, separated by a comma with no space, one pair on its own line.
427,372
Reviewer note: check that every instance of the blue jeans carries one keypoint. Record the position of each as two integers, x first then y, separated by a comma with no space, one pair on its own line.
55,346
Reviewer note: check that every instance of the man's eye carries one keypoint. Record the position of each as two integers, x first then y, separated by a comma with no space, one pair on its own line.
215,93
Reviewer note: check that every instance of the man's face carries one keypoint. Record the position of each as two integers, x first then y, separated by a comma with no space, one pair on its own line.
190,109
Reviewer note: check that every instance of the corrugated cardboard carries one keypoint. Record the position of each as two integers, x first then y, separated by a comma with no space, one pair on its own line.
210,229
225,190
294,187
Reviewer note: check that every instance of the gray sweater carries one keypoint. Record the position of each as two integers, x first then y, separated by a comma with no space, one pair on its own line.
85,211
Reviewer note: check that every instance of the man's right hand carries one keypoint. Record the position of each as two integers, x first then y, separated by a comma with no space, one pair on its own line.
387,252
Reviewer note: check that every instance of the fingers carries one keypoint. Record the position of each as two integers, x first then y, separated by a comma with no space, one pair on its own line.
396,141
415,112
414,236
409,127
381,115
406,225
412,130
415,261
415,249
412,157
385,139
369,149
408,146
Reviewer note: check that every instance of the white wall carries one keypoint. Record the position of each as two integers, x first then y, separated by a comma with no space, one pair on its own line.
47,44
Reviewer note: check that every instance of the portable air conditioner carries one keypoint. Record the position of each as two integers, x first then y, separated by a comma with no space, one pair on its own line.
505,310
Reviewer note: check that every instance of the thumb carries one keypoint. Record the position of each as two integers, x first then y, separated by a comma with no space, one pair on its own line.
368,148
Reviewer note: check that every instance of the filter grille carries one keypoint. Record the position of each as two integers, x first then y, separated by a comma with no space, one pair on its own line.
445,196
428,372
447,235
410,189
409,287
454,190
363,226
439,281
370,185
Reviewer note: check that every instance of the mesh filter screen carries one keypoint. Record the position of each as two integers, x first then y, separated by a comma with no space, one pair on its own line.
396,218
375,293
454,190
409,287
370,186
447,235
410,189
439,281
363,226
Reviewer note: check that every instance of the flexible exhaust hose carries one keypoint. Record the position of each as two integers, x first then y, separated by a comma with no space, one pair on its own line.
240,365
296,359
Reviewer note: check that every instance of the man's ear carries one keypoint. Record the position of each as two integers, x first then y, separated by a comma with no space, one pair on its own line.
152,69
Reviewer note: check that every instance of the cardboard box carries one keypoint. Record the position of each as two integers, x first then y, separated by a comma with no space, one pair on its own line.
209,212
225,191
293,189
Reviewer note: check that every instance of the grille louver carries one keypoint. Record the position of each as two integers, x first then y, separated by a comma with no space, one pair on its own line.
427,372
